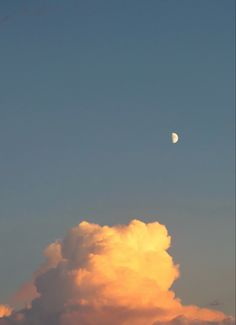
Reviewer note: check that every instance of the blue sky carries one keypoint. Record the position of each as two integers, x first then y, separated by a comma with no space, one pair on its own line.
89,94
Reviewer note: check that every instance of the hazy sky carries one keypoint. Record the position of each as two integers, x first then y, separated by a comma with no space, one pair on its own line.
90,92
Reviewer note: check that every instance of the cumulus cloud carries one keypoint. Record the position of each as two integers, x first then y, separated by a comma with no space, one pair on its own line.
28,290
100,275
5,311
181,320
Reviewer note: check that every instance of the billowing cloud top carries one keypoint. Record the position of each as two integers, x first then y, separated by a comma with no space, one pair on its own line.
4,311
117,275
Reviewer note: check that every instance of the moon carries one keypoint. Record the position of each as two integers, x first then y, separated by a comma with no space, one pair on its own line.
174,137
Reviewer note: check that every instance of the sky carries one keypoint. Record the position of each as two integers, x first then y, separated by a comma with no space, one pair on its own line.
90,92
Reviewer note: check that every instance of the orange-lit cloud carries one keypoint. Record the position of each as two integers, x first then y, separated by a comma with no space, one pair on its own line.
117,275
5,311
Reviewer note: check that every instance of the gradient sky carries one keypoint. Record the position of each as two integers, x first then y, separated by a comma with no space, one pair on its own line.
89,94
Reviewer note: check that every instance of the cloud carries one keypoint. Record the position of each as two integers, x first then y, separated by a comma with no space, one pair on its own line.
100,275
28,291
5,311
181,320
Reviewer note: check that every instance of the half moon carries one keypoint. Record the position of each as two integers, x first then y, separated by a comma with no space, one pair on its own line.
174,137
